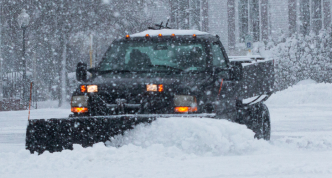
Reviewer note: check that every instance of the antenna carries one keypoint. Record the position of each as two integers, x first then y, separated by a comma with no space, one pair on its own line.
167,24
160,26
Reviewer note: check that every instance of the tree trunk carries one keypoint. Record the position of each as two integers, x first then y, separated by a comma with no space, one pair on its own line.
63,96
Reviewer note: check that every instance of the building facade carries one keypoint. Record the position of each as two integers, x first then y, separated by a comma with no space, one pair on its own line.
233,20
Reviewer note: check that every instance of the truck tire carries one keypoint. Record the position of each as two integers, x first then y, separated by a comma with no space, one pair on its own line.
260,121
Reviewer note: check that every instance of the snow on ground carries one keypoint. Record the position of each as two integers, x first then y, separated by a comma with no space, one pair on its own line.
301,145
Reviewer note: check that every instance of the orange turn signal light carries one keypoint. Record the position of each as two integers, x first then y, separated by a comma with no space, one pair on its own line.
160,88
79,110
185,109
83,88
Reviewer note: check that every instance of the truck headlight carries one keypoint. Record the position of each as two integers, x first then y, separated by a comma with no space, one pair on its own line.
89,88
185,103
79,104
92,88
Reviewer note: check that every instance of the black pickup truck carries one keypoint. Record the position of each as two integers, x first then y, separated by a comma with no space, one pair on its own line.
176,72
159,73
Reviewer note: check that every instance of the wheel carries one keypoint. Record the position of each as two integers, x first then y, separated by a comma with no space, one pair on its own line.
257,118
261,125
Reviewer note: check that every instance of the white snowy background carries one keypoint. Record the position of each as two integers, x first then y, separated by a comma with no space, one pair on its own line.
300,147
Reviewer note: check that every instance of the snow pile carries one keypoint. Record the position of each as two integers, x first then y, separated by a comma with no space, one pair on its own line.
304,93
165,141
199,136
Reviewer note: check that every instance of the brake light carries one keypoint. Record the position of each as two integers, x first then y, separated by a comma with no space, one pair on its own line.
185,109
83,88
79,110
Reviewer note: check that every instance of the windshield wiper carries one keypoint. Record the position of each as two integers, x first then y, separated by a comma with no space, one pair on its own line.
167,67
113,71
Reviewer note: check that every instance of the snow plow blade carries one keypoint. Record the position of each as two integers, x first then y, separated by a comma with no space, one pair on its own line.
55,135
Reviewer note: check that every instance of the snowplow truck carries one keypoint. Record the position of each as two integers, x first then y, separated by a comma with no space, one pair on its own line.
159,74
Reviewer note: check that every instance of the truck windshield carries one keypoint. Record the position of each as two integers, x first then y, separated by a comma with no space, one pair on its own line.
148,55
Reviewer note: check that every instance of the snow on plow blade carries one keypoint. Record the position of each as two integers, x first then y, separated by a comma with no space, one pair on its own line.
55,135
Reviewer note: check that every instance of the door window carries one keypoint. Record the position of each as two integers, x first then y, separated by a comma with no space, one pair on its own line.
218,57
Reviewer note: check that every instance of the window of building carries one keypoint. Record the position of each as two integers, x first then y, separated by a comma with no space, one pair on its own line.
311,17
195,14
316,10
249,19
254,18
243,19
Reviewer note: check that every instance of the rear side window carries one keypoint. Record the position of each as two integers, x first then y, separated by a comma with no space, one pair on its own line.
218,57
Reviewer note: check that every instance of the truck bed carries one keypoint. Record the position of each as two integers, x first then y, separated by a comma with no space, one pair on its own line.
257,75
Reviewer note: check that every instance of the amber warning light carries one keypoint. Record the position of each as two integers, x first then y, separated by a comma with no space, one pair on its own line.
79,110
83,88
160,88
185,109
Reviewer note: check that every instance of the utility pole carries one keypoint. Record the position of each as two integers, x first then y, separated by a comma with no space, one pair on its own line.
91,51
23,21
35,78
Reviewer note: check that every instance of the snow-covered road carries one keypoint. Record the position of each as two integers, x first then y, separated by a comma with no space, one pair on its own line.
301,145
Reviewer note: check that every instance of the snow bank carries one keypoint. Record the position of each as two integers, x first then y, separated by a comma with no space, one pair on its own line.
304,93
308,143
199,136
52,104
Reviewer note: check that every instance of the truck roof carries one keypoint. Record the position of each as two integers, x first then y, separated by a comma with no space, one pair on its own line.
169,32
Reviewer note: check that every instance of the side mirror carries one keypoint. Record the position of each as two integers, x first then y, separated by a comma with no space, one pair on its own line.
81,71
236,72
